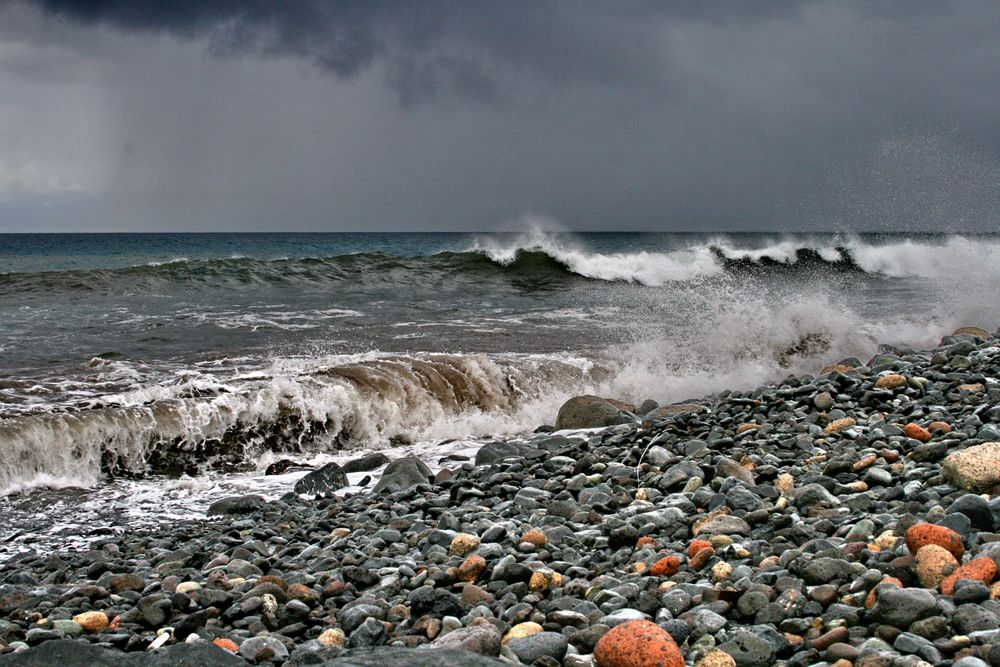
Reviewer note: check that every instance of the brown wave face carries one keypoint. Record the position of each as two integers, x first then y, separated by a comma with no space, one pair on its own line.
372,402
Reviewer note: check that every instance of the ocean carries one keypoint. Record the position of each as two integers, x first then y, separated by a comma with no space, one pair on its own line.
143,375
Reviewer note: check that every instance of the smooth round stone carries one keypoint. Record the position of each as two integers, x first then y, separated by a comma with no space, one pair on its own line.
263,646
620,616
67,627
531,648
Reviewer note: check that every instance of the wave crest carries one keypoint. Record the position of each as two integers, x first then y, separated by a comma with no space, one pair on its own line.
540,259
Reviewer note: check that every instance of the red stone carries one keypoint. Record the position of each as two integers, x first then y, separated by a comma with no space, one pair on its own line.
696,546
226,644
665,567
943,427
645,542
916,432
923,534
637,644
700,559
981,569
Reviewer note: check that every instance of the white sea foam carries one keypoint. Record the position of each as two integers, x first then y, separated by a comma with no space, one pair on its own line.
928,257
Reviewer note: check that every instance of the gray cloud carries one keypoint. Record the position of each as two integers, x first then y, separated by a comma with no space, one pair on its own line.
452,115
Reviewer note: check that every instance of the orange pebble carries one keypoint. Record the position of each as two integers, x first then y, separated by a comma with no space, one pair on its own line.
536,537
981,569
922,534
645,542
944,427
665,567
916,432
698,561
696,546
226,644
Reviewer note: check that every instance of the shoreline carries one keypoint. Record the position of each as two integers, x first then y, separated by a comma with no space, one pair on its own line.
815,496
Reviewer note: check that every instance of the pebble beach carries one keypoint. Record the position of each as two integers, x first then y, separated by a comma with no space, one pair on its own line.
846,518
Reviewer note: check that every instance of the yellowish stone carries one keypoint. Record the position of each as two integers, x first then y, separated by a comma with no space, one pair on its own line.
784,483
92,621
716,658
891,381
838,425
721,571
885,541
332,637
188,586
463,543
520,630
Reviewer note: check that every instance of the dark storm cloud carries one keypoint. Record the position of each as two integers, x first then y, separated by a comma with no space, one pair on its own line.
450,115
427,47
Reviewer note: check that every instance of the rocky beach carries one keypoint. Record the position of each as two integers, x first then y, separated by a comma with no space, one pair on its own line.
846,518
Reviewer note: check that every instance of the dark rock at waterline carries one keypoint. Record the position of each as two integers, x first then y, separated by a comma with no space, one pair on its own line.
326,480
497,451
646,407
236,505
285,465
402,474
70,653
366,463
588,412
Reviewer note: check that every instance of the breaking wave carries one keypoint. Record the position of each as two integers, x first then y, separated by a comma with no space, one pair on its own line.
931,257
310,405
294,406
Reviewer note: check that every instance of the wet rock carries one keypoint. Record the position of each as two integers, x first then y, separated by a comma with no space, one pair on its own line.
69,653
900,607
483,639
531,648
408,657
749,650
366,463
236,505
324,481
402,474
586,412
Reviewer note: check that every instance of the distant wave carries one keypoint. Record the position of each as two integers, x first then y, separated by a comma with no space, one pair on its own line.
538,260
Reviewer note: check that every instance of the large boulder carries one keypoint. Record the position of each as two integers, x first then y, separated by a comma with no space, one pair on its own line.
402,474
70,653
975,469
588,412
324,481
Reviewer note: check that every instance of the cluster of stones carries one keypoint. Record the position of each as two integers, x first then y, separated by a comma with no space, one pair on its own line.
844,519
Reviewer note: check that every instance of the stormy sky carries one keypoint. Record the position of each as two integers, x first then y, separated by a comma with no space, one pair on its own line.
331,115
